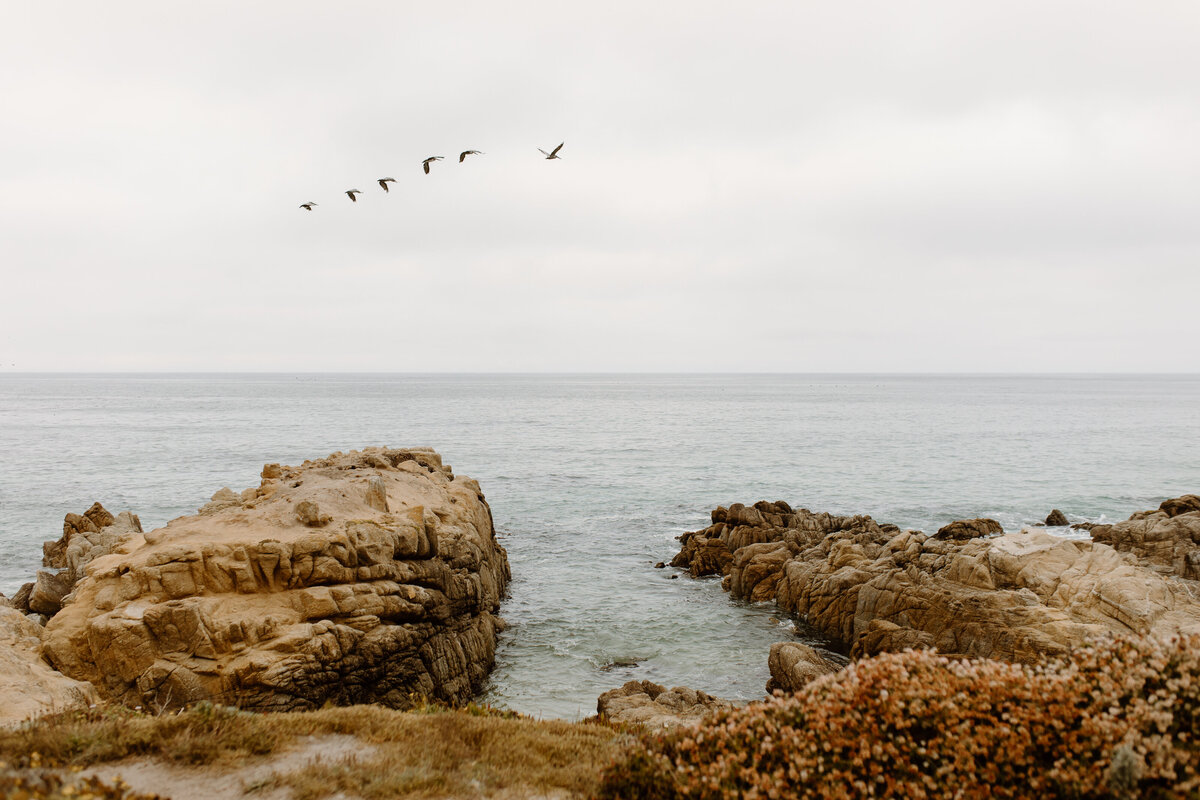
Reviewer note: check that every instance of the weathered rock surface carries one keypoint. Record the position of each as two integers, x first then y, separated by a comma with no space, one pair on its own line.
653,706
969,529
267,603
793,665
28,686
1057,519
1018,597
1167,540
85,538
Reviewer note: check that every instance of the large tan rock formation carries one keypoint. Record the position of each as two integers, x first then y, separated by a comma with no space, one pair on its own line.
28,686
368,576
1018,596
1167,539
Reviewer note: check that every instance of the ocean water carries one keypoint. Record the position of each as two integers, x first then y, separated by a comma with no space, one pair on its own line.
591,478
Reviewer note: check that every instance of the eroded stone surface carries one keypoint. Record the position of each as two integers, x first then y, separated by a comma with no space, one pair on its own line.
1018,596
794,665
28,685
653,706
247,604
1167,539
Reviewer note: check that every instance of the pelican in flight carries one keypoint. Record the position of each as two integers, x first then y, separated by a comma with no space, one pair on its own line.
429,160
383,182
307,206
553,153
353,192
463,155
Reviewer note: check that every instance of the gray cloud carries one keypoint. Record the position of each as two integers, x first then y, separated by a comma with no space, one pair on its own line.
790,186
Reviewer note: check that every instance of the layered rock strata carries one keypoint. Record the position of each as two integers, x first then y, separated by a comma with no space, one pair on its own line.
1167,539
1018,596
652,706
368,576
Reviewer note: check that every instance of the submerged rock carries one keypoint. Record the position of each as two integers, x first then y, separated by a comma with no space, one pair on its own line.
248,604
1017,597
653,706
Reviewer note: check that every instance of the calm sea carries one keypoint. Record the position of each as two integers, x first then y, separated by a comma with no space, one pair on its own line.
591,478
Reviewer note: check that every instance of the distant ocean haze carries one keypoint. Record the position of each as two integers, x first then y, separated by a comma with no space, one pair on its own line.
591,478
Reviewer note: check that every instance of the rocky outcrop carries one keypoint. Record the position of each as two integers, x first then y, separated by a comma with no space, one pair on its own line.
28,686
85,538
969,529
368,576
1019,596
1056,519
652,706
794,665
1167,540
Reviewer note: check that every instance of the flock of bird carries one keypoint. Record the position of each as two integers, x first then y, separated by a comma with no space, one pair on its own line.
383,182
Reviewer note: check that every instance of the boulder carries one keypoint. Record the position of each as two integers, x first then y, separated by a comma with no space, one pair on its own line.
794,665
29,687
969,529
1057,519
1180,505
1167,540
652,706
20,600
85,537
247,604
874,588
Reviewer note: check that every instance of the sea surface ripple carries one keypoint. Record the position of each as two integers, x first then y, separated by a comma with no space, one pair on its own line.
591,478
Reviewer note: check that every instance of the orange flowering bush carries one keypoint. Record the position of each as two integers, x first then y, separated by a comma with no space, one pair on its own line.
1115,719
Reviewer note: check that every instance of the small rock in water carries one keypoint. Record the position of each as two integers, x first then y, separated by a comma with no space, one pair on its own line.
1057,519
673,577
660,565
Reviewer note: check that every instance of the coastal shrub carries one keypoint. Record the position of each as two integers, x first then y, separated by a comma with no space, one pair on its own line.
1115,719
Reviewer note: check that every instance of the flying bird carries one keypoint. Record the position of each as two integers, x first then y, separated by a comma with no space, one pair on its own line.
463,155
383,182
307,206
553,153
426,162
351,194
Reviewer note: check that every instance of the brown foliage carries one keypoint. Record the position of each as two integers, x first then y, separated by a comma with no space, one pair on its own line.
1117,719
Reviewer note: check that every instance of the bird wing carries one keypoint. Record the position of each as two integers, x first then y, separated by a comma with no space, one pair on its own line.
425,164
554,152
543,152
463,156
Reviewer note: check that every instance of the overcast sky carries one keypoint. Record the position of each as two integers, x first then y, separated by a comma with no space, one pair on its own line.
792,186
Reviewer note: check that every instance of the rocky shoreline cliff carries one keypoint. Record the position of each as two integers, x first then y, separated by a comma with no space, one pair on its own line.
970,589
372,576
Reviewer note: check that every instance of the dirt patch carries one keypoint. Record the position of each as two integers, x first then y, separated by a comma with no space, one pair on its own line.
255,776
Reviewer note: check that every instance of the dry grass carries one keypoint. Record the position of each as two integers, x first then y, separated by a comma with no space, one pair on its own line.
431,752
